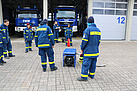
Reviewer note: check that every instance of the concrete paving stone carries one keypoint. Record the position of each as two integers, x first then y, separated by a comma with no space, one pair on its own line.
6,89
79,89
70,90
24,72
35,88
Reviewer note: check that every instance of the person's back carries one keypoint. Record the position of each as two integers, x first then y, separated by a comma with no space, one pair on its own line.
44,36
91,47
44,40
90,50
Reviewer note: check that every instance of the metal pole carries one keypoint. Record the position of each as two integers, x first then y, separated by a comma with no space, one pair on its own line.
129,19
45,9
90,7
1,13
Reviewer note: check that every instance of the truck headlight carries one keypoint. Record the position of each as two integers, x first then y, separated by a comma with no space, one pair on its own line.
34,29
18,29
74,27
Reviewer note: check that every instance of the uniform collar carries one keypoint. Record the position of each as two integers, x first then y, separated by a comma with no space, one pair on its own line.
92,24
3,24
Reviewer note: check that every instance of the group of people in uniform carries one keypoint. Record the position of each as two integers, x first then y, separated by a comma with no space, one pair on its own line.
5,42
68,33
45,41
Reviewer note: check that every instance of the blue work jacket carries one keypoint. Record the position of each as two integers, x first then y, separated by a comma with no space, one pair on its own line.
68,32
44,37
28,34
90,41
5,33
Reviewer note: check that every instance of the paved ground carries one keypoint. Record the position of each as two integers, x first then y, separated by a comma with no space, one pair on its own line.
24,72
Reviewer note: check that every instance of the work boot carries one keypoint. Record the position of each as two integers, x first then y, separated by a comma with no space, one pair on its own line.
53,69
6,57
12,55
90,77
3,61
26,51
81,79
44,69
30,50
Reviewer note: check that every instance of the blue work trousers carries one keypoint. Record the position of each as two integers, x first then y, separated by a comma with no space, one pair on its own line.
70,40
43,52
89,64
56,35
28,45
1,54
7,47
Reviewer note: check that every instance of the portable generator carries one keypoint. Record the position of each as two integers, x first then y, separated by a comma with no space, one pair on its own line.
69,61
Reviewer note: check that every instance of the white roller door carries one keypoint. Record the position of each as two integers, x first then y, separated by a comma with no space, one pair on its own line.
110,17
134,23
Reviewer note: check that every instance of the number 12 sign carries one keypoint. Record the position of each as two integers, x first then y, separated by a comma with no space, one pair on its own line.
121,20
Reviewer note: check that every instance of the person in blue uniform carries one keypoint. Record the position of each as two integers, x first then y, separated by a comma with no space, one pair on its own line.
44,40
7,42
28,36
56,31
68,34
90,49
1,48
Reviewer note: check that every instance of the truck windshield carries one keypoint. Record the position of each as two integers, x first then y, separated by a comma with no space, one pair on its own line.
27,14
65,14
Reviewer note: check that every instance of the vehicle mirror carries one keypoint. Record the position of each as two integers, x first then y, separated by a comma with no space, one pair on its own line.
39,16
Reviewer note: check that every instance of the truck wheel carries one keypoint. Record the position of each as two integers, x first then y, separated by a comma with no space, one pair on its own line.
75,34
20,34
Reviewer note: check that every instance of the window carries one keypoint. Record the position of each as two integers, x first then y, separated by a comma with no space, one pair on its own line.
121,0
121,6
70,14
27,15
97,11
109,5
135,13
110,0
120,12
98,4
109,12
135,6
